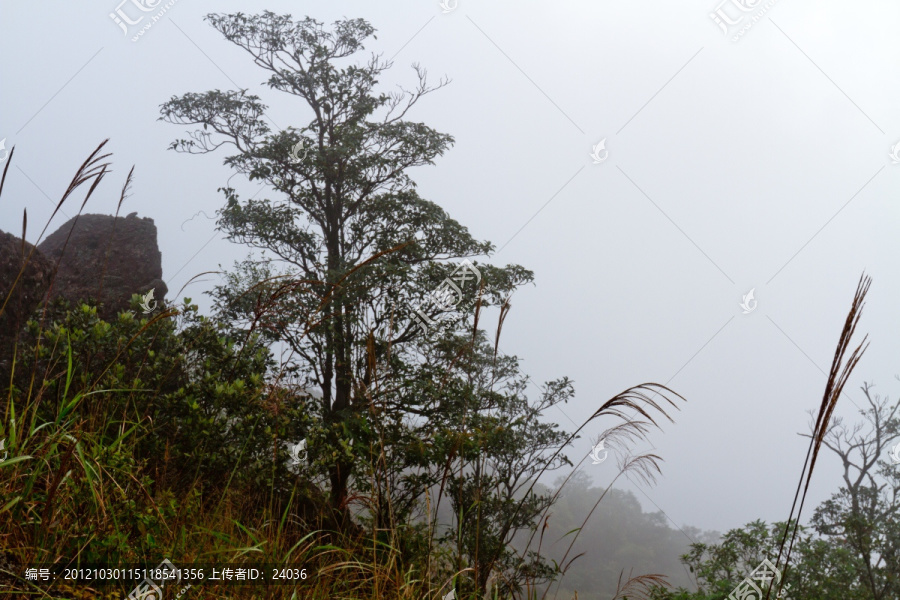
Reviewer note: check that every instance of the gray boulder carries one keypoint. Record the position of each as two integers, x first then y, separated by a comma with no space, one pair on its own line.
106,259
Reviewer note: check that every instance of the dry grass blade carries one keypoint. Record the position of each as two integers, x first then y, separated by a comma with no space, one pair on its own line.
189,281
834,387
92,168
615,407
98,177
6,168
634,399
644,465
627,432
639,587
112,235
504,311
24,229
623,433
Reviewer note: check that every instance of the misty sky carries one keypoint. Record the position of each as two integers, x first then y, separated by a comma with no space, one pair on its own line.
758,164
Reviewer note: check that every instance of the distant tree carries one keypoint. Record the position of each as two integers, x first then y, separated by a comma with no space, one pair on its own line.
820,568
619,537
864,515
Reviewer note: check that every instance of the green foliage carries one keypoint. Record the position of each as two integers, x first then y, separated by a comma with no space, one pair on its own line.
493,443
818,569
197,398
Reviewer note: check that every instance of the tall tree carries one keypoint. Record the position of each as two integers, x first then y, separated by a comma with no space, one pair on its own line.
349,247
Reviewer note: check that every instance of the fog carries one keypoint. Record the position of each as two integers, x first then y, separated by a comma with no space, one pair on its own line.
759,164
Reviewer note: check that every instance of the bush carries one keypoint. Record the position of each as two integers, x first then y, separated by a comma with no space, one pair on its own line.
108,418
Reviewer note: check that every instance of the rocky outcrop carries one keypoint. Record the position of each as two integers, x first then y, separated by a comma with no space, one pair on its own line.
106,259
28,291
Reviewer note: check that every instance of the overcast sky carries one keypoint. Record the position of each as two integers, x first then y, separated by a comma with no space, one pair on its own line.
762,163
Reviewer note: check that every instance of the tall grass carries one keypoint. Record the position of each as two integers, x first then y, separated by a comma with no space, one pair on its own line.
834,386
